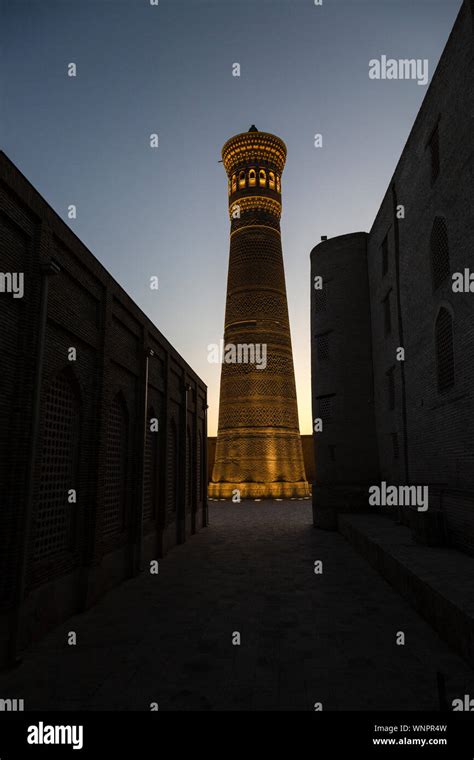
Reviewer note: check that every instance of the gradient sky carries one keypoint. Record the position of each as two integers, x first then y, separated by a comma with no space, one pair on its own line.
168,69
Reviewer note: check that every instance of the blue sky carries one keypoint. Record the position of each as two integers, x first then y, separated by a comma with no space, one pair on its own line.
143,69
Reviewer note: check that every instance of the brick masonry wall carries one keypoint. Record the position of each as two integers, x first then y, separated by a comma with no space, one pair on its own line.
342,389
422,436
86,309
435,433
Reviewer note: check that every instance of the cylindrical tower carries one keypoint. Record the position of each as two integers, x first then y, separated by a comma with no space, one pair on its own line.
345,446
258,448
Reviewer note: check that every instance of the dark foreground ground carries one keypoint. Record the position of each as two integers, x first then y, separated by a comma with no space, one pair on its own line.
305,638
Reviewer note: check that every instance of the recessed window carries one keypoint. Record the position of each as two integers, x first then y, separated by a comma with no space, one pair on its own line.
150,469
395,446
262,178
188,481
252,178
116,485
271,180
444,350
439,251
322,344
325,407
59,469
391,387
172,466
387,314
242,179
384,249
433,147
320,299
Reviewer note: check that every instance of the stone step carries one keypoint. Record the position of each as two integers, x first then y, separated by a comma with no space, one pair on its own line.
437,581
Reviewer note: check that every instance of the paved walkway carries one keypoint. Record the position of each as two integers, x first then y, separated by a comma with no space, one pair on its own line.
305,638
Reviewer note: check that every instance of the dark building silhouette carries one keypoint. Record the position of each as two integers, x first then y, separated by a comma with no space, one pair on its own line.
258,450
411,421
123,426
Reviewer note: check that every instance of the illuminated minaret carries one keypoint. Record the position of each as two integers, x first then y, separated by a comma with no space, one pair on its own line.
258,450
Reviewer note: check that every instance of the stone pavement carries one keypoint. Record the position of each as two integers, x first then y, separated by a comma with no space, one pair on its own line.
305,638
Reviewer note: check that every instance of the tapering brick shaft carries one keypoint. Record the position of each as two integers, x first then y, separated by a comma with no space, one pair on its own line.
258,450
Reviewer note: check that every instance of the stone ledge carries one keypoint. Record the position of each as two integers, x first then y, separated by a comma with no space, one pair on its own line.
437,581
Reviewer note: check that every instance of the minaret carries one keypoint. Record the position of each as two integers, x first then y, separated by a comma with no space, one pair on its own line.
258,450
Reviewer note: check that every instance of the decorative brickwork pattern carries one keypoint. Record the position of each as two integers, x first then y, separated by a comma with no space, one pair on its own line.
150,474
258,448
117,463
81,428
58,469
